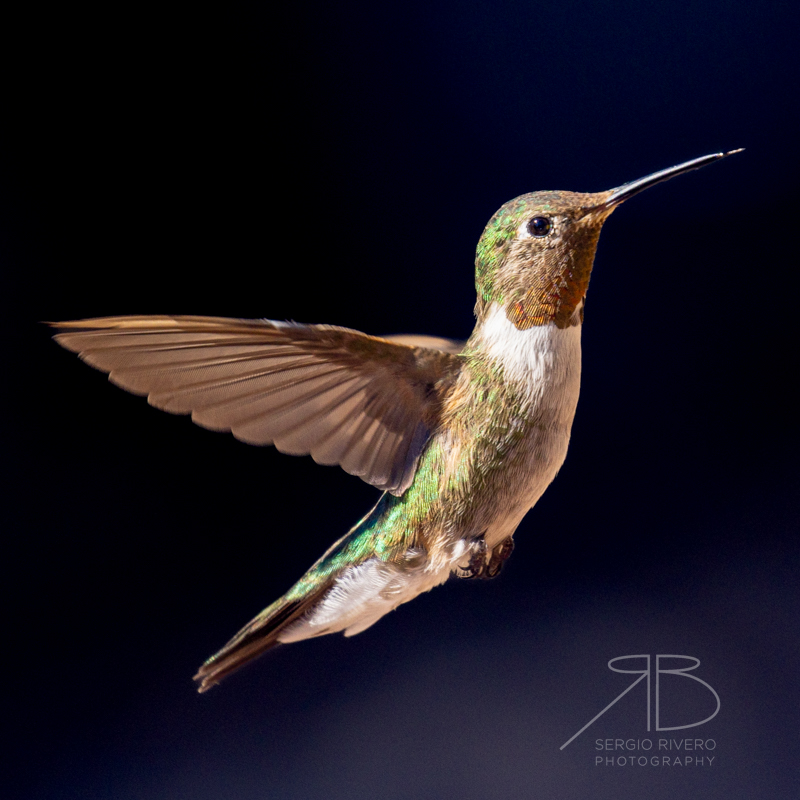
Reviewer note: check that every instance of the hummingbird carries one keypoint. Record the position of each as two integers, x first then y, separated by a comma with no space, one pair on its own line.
461,437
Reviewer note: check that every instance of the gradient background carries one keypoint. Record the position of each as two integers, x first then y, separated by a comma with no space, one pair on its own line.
337,163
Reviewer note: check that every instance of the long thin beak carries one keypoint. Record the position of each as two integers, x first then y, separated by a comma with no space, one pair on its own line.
621,194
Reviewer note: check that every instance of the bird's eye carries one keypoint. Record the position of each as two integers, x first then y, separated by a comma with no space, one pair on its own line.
539,226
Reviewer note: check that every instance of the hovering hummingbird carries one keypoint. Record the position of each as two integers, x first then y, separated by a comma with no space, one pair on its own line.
462,437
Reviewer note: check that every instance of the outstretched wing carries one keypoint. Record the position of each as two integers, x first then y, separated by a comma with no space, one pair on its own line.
366,403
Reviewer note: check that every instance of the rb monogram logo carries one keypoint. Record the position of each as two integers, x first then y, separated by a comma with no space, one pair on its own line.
646,673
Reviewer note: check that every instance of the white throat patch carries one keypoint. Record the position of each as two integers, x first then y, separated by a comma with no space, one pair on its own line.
536,358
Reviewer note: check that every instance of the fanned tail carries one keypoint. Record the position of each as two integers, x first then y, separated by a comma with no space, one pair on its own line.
256,637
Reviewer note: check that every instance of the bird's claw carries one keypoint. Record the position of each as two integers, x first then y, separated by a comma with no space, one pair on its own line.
481,567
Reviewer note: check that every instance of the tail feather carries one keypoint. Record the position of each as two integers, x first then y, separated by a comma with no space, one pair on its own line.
256,637
339,569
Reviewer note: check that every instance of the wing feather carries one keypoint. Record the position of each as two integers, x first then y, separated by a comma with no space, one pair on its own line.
366,403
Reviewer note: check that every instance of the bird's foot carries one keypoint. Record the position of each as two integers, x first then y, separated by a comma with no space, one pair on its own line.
498,557
483,564
477,560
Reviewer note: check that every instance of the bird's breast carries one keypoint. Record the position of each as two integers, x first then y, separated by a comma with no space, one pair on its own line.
523,396
541,365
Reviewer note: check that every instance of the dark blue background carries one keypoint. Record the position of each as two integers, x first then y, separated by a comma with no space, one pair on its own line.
337,163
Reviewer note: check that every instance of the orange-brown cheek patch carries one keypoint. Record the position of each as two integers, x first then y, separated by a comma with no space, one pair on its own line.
554,302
